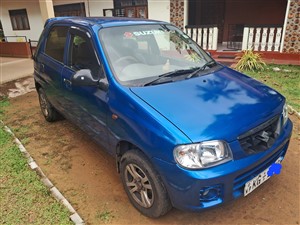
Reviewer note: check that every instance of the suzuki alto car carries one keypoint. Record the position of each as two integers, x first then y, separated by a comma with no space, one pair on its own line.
186,131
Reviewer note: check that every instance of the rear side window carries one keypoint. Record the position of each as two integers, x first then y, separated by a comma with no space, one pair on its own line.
55,43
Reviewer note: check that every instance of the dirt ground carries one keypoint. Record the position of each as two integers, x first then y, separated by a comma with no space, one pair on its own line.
86,175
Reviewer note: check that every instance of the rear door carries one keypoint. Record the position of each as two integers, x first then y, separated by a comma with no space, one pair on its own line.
87,106
50,64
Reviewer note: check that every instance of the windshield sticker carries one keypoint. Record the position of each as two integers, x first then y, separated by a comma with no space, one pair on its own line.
128,35
147,32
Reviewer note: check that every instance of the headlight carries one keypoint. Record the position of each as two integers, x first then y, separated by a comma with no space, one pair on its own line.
202,155
285,114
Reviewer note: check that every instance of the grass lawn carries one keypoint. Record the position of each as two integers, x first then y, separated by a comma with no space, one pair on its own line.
286,81
23,198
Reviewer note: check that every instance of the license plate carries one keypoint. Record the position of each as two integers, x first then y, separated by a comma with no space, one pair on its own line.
258,180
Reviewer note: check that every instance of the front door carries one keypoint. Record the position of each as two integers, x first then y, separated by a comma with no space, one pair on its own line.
208,12
87,106
212,12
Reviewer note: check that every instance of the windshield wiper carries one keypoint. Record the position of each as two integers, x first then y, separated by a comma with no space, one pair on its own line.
170,74
209,63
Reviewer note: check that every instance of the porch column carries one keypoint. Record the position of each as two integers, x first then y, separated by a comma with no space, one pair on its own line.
177,13
47,10
291,29
186,9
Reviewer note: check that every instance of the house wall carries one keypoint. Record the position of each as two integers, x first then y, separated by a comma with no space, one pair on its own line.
159,10
96,7
92,8
254,12
34,17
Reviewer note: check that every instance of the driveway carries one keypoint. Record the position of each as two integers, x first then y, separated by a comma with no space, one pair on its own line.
87,177
14,68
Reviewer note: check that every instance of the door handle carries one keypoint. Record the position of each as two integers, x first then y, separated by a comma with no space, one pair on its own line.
67,82
42,67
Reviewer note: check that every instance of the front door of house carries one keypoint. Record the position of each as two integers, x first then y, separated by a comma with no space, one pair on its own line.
208,12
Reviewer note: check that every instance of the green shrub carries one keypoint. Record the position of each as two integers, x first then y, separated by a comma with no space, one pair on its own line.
250,61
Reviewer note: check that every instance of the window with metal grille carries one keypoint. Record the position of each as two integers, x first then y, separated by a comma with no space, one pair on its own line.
75,9
19,19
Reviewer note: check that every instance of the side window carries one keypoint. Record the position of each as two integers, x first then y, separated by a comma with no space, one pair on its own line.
55,43
82,56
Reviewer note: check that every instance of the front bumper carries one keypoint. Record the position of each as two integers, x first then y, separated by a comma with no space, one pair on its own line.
195,190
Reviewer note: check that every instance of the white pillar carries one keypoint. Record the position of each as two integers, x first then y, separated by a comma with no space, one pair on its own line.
47,10
277,39
204,42
285,23
194,35
215,39
264,39
250,38
271,39
245,38
257,39
199,38
186,11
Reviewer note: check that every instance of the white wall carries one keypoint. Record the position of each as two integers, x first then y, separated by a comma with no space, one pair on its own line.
159,10
92,7
96,7
34,17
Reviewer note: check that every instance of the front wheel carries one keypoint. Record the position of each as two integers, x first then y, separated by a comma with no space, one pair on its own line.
143,185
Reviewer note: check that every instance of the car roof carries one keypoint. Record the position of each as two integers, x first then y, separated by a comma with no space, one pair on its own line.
102,21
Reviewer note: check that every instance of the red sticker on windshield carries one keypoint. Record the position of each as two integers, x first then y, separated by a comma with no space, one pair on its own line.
128,35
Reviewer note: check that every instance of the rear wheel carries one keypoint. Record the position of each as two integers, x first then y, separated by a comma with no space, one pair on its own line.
47,109
143,185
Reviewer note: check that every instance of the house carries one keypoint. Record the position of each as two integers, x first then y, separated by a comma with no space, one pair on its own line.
217,25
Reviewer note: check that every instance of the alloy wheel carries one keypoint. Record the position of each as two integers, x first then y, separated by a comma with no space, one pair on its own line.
139,185
44,104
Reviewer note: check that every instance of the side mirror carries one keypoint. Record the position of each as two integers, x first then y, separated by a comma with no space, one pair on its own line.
84,78
103,84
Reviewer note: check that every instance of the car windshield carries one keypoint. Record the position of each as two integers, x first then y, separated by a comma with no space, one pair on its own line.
139,54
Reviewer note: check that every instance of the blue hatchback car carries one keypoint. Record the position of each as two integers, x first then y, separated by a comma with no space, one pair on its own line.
186,131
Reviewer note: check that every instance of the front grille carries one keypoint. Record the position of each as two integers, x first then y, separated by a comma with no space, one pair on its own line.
261,137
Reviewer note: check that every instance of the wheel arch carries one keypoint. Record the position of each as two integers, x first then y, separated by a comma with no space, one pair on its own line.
124,146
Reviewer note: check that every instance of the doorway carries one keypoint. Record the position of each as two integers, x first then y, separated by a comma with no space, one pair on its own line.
208,12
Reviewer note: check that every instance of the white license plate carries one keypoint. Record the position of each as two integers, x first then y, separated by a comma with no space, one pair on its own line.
258,180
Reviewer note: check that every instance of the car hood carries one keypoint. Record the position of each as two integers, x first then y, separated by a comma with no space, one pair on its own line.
221,105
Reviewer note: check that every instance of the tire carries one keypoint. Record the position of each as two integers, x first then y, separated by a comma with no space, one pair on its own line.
140,179
47,109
